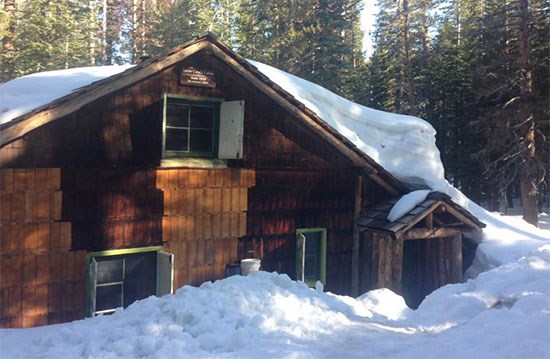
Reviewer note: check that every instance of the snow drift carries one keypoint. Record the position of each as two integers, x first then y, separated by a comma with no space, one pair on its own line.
269,315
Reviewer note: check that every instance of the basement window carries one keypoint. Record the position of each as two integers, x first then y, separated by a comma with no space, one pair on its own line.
202,127
311,253
118,278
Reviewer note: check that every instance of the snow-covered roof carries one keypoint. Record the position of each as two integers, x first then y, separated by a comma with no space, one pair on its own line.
394,216
403,145
24,94
391,140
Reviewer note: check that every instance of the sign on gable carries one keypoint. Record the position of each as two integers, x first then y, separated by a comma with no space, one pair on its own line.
191,76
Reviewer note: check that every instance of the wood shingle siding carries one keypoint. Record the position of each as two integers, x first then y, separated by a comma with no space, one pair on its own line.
204,215
41,277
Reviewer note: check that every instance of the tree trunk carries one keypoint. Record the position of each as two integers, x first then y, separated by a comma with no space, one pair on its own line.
104,34
92,33
407,94
8,44
526,115
529,197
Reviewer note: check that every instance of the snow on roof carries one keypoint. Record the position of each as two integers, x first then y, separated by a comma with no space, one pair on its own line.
407,203
404,145
24,94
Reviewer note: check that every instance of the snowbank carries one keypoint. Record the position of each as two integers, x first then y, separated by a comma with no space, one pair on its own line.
503,313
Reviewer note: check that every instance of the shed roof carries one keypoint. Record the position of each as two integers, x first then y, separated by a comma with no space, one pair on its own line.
377,218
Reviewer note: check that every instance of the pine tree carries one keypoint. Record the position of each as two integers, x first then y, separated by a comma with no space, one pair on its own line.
175,23
512,119
49,35
327,53
7,33
450,98
401,60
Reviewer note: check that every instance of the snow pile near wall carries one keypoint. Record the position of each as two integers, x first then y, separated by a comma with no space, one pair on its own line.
502,313
21,95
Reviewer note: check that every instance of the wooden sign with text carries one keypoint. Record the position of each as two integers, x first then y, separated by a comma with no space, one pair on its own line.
191,76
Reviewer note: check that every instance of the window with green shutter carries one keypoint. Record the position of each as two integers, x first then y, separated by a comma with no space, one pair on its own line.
311,253
117,278
190,127
202,127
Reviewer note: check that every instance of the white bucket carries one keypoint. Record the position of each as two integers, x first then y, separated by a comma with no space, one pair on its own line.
250,265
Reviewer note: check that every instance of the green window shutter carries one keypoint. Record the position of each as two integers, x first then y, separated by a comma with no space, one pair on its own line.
165,273
231,130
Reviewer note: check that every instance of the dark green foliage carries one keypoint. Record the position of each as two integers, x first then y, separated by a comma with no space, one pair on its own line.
481,79
49,35
319,40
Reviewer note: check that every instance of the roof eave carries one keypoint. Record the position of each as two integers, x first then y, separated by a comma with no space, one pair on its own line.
20,126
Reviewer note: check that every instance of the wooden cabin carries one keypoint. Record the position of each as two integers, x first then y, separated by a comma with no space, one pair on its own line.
167,173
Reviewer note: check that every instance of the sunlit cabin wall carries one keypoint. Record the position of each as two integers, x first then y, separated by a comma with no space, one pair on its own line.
41,275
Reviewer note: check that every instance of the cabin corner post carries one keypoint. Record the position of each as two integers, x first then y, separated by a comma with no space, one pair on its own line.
355,237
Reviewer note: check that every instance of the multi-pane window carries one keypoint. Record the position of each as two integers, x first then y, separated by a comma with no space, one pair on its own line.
190,128
118,280
121,280
311,248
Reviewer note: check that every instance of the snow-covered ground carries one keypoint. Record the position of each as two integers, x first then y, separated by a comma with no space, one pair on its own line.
503,311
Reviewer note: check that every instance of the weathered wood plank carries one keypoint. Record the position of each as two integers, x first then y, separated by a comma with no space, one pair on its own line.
456,258
355,238
423,233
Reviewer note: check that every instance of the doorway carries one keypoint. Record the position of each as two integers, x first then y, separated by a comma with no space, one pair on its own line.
419,276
